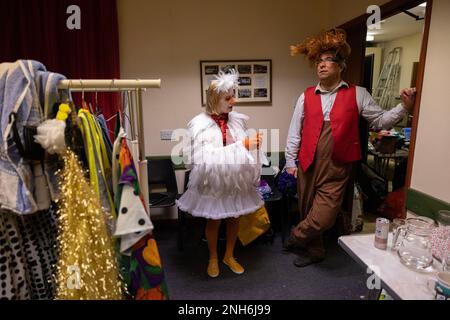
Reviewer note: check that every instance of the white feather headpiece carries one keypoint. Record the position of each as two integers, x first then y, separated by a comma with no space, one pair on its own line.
226,81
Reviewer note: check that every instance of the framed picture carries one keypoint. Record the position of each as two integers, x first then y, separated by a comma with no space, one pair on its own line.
255,79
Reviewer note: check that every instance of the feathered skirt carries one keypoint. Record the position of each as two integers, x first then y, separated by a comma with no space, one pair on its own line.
216,207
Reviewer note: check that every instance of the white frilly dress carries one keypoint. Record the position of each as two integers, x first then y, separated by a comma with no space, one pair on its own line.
223,179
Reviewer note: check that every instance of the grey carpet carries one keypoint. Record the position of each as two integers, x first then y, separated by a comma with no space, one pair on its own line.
270,274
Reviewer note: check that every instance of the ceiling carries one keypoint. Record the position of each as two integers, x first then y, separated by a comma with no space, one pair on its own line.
400,25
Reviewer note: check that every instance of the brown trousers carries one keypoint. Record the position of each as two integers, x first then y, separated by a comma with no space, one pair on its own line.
321,191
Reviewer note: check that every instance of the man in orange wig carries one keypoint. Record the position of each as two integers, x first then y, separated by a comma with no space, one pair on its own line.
324,139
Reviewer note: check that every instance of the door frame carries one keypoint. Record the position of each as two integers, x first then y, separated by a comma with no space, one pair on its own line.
387,10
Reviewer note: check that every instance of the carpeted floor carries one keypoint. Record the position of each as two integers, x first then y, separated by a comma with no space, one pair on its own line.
270,273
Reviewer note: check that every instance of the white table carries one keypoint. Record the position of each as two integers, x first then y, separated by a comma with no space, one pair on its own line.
399,281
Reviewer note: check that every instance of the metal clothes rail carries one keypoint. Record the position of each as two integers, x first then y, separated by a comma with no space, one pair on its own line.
114,85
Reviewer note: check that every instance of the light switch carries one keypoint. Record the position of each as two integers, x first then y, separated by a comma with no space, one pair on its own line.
166,134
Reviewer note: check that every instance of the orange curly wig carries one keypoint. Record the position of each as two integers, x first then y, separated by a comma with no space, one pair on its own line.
333,40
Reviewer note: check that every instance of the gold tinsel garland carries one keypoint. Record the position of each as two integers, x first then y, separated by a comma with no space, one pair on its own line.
87,266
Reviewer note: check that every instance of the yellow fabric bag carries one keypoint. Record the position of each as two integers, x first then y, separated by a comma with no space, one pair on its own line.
252,225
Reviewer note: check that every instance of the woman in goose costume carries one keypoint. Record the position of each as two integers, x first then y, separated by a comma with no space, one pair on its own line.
226,168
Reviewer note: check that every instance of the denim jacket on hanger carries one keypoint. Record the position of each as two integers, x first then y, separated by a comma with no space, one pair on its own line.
28,90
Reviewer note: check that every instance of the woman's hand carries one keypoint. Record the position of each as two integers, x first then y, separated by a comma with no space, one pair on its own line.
253,143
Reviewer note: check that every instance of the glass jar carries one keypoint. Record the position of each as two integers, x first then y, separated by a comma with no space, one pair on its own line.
413,243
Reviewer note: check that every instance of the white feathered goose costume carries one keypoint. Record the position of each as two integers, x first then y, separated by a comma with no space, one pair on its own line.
223,179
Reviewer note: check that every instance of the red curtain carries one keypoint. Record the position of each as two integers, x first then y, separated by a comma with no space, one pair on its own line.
37,29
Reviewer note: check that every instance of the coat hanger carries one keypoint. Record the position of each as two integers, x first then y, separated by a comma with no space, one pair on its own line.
69,96
64,97
124,106
96,108
64,94
131,112
120,109
84,104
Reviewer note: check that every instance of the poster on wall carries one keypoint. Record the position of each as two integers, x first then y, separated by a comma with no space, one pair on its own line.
255,79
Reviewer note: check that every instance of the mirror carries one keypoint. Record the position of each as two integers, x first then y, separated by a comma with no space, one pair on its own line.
391,62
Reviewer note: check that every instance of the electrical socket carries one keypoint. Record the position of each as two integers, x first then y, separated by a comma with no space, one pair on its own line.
166,134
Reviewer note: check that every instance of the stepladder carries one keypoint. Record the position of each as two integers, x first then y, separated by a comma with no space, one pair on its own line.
388,83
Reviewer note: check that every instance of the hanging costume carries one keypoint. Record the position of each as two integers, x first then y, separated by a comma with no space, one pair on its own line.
87,266
99,162
133,222
138,253
27,91
27,221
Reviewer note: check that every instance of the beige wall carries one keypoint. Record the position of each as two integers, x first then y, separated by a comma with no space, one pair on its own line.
166,39
431,171
410,53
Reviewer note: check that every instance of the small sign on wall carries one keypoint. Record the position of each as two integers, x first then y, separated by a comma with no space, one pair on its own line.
255,79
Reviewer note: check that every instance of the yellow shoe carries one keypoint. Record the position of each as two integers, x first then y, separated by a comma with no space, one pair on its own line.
213,268
233,265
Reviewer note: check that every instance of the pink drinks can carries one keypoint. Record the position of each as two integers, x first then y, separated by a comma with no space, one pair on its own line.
381,233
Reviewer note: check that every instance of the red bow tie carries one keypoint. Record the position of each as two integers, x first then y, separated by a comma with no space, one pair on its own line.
221,121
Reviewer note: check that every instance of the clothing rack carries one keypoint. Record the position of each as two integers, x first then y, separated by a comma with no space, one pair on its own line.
113,85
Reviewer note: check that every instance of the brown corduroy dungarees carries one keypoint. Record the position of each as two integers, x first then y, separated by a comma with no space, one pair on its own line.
321,191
